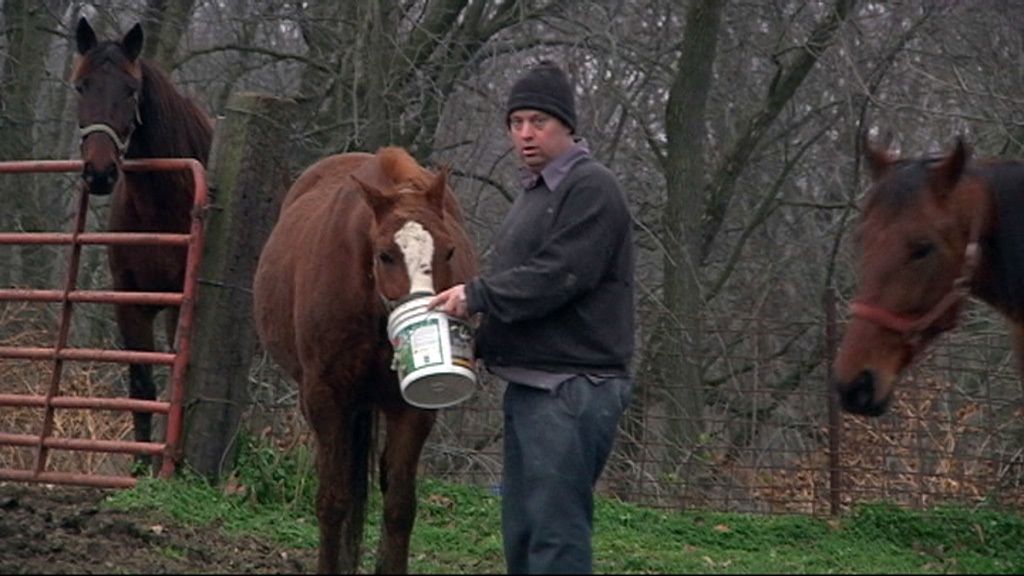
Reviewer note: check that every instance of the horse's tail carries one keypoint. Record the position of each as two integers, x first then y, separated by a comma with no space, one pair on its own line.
363,449
360,478
366,444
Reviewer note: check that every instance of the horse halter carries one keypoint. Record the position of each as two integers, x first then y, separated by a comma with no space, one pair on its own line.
122,145
913,328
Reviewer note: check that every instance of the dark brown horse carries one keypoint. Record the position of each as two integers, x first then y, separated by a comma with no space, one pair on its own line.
357,233
933,231
128,108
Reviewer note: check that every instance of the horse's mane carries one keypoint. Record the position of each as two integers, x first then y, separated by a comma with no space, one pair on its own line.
901,185
401,168
1006,182
108,51
173,125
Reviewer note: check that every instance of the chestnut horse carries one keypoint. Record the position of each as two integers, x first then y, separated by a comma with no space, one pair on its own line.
933,231
357,233
128,108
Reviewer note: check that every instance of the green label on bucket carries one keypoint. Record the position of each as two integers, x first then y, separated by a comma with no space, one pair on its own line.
418,346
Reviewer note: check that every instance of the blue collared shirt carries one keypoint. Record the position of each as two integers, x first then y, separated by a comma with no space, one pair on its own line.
557,169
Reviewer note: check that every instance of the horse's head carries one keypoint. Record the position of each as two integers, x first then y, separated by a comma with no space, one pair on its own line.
108,79
918,249
413,248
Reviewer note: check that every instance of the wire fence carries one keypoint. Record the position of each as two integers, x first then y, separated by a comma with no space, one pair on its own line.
766,441
763,440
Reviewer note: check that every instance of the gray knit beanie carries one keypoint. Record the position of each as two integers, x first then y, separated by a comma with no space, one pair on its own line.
545,88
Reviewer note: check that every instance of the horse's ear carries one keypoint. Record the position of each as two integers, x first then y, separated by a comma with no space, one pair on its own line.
132,42
879,159
379,201
948,172
84,36
436,192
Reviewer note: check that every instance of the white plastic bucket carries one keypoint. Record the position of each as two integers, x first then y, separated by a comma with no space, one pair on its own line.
433,355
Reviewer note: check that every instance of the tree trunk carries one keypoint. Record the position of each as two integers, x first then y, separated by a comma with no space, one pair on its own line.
26,25
166,23
248,179
382,93
679,332
696,206
380,79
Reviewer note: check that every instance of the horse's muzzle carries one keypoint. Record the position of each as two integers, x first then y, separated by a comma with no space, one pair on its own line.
858,397
100,182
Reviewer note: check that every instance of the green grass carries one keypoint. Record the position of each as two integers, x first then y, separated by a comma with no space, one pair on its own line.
458,529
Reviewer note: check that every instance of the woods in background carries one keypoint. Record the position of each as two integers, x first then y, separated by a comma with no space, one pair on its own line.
732,126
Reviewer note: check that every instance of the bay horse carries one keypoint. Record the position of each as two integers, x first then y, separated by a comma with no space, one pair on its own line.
357,233
127,109
932,232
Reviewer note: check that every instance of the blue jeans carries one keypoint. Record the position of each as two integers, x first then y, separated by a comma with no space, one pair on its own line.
556,445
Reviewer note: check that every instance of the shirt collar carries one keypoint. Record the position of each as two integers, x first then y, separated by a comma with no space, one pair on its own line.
557,169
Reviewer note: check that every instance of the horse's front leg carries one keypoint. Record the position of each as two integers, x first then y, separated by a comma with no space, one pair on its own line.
407,430
136,326
342,462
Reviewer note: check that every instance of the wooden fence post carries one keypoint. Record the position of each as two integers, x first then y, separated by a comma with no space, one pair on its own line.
248,176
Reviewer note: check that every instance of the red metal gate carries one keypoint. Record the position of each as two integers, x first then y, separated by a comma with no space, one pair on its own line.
59,353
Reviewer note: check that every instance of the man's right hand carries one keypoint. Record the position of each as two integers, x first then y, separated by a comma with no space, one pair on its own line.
452,302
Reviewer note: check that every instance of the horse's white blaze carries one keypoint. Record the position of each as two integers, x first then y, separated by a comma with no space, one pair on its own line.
418,251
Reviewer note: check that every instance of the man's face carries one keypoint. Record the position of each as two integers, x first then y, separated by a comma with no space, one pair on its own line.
538,137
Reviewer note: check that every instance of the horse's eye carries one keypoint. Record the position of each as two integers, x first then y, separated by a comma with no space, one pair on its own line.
79,88
921,251
386,258
451,252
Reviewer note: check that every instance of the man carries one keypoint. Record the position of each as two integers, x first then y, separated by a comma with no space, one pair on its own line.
557,324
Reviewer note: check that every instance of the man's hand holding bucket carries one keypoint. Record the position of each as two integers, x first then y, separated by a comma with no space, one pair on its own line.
452,302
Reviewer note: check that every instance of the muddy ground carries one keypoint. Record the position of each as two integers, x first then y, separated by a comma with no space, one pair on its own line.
66,530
